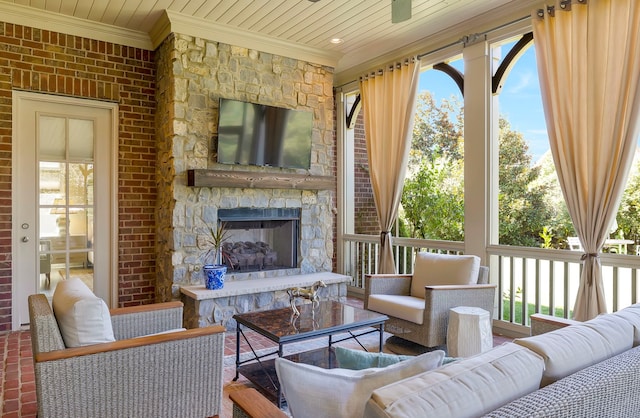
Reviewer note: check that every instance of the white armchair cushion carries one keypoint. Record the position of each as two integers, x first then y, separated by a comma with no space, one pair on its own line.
83,318
409,308
443,269
314,392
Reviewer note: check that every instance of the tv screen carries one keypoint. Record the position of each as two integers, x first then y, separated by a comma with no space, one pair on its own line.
254,134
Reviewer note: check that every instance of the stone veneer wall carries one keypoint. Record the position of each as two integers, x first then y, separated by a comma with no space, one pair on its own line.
192,74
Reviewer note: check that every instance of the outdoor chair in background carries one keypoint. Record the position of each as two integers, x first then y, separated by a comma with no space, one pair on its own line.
418,304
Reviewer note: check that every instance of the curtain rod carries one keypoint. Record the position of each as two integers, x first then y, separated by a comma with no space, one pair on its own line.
467,39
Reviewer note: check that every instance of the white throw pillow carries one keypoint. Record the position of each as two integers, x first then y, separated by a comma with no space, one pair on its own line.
314,392
443,269
83,318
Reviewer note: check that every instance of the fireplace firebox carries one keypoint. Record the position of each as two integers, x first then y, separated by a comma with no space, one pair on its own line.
260,239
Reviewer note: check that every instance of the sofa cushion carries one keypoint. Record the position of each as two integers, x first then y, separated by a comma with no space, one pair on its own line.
632,314
359,359
83,318
575,347
466,388
314,392
443,269
409,308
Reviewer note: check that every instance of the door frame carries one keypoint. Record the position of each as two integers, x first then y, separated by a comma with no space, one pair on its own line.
18,96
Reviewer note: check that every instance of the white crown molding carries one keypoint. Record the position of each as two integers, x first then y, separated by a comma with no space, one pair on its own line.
55,22
186,25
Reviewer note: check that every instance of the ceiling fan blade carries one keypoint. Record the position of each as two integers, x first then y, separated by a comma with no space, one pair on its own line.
400,10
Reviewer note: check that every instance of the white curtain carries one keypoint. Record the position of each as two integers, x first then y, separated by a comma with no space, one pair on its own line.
589,64
388,104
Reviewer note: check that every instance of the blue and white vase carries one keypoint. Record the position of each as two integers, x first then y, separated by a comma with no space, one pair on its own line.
214,276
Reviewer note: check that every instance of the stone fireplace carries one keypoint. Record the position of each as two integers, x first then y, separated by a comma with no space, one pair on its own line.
260,238
192,75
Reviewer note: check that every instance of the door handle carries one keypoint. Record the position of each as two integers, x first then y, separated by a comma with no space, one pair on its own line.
25,239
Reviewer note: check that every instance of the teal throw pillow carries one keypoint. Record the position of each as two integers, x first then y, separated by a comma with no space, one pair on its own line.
359,360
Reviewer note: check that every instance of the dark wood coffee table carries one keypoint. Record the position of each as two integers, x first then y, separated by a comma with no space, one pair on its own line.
325,319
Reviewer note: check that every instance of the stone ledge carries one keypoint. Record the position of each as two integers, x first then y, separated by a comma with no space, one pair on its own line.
203,307
271,284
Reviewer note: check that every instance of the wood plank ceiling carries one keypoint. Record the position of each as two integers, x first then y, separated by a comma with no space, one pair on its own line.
364,25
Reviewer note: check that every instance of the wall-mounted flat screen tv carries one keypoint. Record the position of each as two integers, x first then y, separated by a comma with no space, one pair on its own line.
255,134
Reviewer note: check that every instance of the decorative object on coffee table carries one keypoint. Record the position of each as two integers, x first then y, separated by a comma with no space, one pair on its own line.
469,331
310,293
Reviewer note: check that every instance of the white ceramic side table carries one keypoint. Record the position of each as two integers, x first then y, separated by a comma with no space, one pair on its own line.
469,331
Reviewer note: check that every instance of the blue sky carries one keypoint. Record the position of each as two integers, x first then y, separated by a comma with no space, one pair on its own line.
520,100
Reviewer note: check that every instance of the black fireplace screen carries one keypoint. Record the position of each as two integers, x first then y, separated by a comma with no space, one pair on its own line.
260,239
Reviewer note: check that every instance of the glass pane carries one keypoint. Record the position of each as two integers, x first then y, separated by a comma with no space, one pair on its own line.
51,182
81,138
48,224
79,177
51,135
77,226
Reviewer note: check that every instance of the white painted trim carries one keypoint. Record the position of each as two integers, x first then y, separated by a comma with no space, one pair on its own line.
112,181
56,22
174,22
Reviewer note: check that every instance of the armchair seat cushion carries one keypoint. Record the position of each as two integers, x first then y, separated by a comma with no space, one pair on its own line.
409,308
443,269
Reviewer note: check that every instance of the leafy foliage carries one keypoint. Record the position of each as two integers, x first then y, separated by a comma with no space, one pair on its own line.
433,195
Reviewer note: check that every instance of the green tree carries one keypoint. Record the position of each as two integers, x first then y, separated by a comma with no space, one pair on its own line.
628,217
433,195
523,212
432,200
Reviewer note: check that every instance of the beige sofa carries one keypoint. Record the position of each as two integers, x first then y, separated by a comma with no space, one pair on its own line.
583,370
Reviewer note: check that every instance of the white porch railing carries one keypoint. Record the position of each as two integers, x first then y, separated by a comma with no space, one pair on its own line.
529,280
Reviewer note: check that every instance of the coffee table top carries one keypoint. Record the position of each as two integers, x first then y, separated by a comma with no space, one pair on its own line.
329,317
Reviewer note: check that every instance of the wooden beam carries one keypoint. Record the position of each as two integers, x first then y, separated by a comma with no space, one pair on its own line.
259,180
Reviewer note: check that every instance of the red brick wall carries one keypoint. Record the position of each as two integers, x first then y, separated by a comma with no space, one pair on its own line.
366,219
49,62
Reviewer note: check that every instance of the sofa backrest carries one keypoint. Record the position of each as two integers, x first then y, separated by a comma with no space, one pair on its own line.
45,335
461,389
607,389
572,348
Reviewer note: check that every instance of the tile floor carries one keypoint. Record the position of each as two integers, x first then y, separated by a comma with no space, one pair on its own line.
17,385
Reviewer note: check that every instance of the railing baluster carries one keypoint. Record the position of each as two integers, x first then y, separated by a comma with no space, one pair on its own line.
538,274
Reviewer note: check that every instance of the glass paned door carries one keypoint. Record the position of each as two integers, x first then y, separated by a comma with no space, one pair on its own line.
64,190
66,197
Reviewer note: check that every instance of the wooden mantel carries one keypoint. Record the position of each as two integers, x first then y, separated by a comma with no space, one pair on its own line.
258,180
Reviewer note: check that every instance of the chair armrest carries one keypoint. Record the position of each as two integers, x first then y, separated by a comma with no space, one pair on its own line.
170,375
386,284
126,344
146,308
440,299
249,403
136,321
466,287
541,323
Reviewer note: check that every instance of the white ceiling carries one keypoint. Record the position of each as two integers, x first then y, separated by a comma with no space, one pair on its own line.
364,25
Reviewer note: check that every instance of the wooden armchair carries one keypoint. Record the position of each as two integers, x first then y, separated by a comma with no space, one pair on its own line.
176,374
418,304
